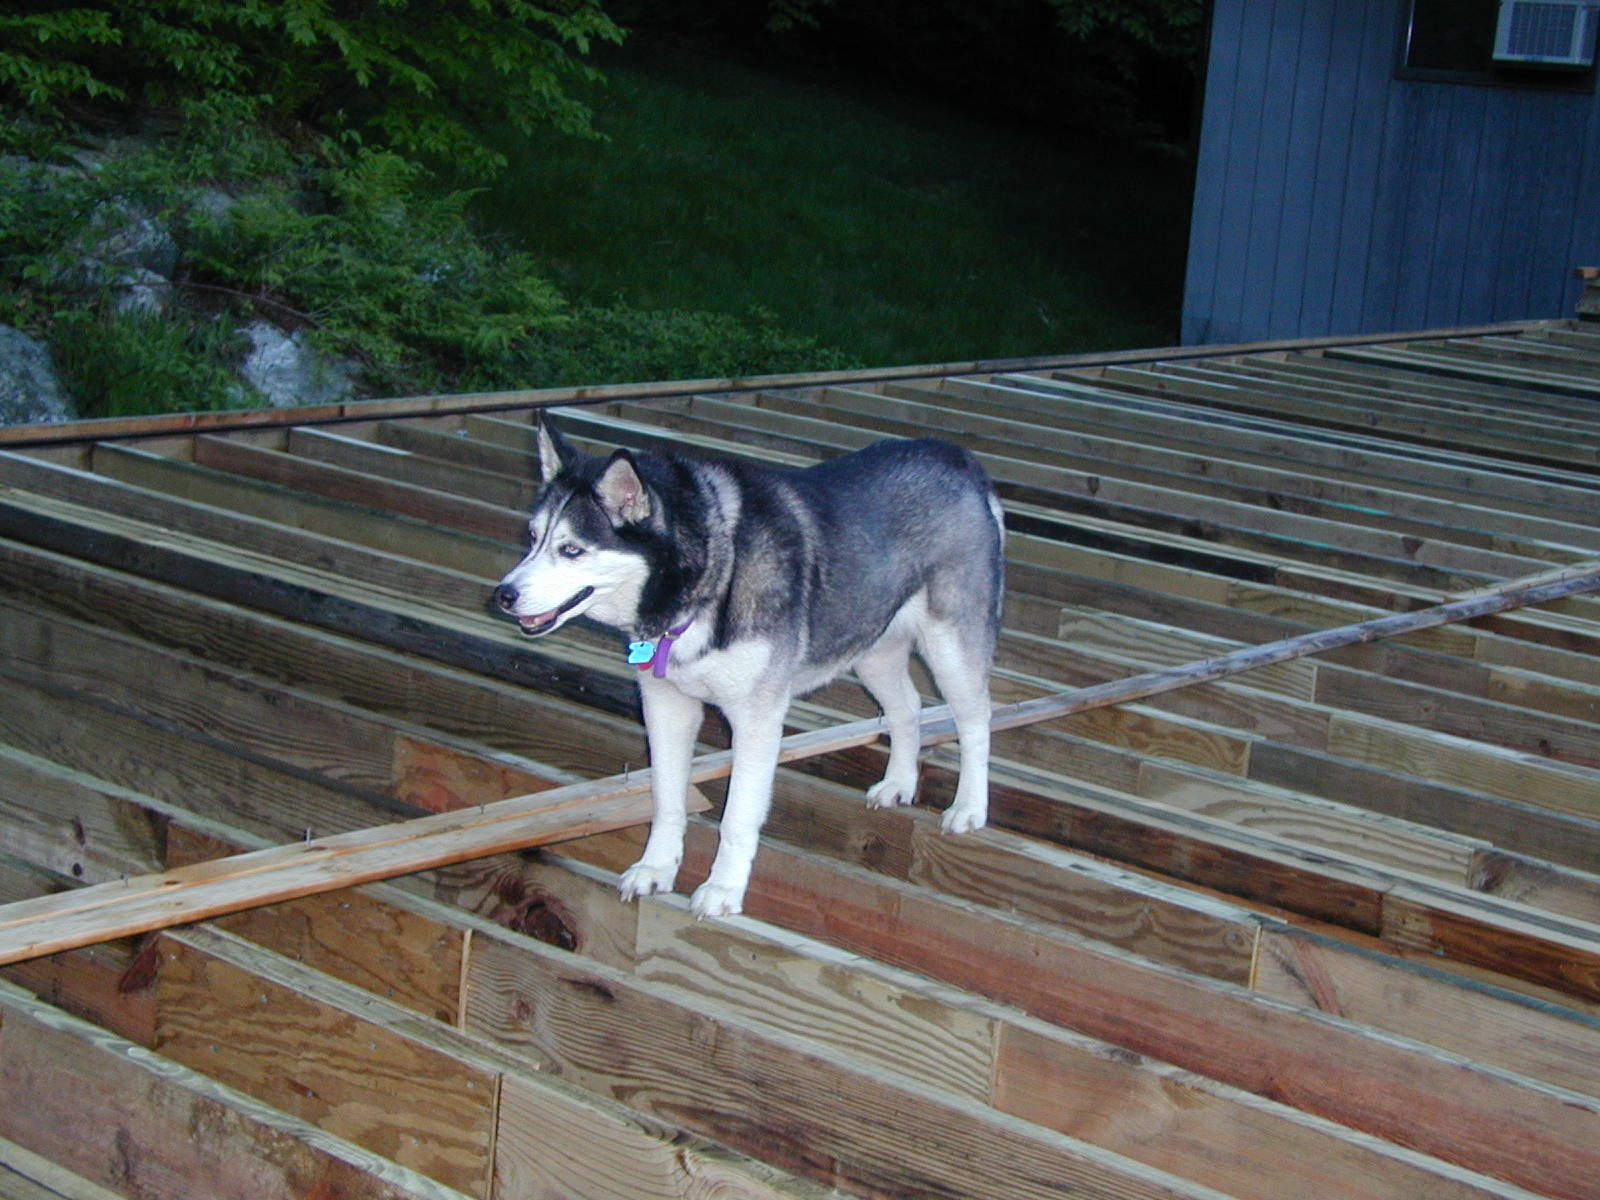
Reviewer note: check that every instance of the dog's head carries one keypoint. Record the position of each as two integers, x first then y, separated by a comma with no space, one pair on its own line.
583,560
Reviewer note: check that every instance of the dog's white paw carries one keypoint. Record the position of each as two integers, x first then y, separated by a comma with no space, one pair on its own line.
646,879
892,790
712,900
964,818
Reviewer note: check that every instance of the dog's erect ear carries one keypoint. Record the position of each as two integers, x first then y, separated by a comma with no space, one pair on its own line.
621,491
554,450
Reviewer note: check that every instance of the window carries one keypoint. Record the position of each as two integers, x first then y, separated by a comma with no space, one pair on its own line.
1453,41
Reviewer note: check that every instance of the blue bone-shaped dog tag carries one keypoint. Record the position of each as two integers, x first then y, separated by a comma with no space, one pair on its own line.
640,653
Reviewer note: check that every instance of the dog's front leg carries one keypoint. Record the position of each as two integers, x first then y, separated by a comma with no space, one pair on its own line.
757,732
671,721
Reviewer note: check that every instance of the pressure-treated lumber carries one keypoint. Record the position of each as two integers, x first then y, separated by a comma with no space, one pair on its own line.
801,984
127,1120
1312,965
1489,1120
144,903
19,936
938,1036
425,406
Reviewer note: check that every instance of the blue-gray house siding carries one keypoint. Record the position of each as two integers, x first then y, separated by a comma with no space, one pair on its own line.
1334,198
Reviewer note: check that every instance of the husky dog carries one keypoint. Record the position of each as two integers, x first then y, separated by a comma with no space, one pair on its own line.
746,585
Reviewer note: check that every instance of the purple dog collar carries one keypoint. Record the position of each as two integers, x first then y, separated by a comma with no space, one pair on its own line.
654,655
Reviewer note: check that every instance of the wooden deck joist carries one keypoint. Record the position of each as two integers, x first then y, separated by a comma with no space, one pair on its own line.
1330,927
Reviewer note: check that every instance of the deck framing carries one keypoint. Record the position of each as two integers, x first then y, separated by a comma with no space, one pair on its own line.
1331,926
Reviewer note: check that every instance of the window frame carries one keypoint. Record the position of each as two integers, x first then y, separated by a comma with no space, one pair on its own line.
1496,75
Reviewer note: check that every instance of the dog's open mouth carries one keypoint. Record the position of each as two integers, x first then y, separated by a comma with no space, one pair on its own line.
543,623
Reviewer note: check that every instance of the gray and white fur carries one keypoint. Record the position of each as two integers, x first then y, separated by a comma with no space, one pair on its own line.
786,579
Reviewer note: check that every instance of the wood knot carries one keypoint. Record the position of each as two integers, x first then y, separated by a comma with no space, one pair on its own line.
532,912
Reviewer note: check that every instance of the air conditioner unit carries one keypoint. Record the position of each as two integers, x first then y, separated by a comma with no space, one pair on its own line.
1548,33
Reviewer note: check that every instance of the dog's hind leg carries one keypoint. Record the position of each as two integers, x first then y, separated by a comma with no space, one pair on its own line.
885,672
960,662
757,732
671,722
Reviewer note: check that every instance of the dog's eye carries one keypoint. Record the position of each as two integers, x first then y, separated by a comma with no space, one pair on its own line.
570,550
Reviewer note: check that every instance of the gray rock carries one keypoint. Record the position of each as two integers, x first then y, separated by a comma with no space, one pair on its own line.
290,372
30,390
128,239
214,204
142,291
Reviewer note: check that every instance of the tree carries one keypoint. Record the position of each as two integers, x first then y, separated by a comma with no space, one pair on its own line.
420,77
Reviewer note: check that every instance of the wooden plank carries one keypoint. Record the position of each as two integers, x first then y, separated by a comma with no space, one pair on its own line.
252,639
343,449
633,1155
1537,883
1471,477
462,639
455,447
221,1012
1431,432
140,904
1311,493
1178,1120
564,736
126,1120
389,533
1226,523
1464,1112
1098,899
492,401
1506,596
25,1175
1348,831
1473,736
1215,583
1361,379
1108,490
1019,875
1419,358
805,1106
1155,1114
1408,998
1447,414
240,529
355,487
187,771
407,763
625,1156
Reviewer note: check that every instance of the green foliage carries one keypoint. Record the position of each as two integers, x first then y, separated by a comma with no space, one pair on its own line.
390,271
361,249
132,364
416,76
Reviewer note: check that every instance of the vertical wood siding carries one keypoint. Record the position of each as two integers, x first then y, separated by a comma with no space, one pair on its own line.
1333,198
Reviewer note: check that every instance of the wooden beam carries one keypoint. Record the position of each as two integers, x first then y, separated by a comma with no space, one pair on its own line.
133,427
141,904
900,1022
83,922
1487,1119
269,533
410,765
126,1120
334,482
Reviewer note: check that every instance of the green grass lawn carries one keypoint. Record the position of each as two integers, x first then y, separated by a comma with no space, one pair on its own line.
892,229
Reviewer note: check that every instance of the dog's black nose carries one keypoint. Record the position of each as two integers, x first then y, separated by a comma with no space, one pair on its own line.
505,596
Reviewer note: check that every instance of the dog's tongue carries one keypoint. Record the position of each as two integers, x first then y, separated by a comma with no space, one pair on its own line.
539,621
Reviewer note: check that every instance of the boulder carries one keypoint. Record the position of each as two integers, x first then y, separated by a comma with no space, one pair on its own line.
30,391
290,372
